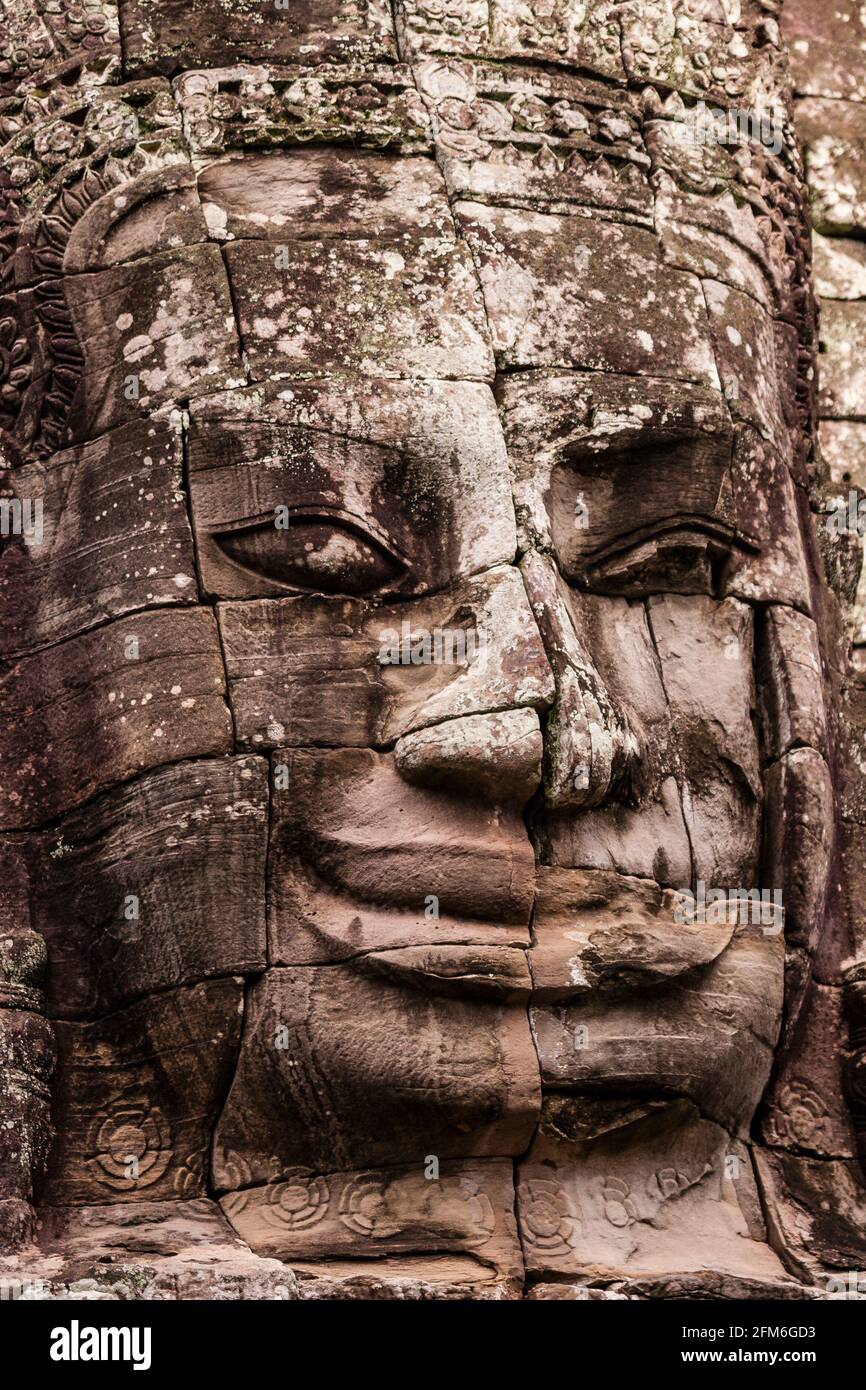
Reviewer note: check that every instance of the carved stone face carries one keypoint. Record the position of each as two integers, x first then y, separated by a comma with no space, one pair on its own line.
451,639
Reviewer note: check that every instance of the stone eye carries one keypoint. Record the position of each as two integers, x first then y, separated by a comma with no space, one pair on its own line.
316,553
688,555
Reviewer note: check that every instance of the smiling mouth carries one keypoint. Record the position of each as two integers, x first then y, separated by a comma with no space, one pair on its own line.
594,931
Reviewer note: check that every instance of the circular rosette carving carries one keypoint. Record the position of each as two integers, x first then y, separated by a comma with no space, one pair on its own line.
799,1116
23,49
619,1209
528,111
548,27
131,1144
88,25
236,1170
548,1221
57,143
22,172
187,1178
364,1208
448,16
234,1203
465,122
112,121
297,1203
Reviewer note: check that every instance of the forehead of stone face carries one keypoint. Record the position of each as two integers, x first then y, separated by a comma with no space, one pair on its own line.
405,483
575,291
345,261
301,194
615,232
334,261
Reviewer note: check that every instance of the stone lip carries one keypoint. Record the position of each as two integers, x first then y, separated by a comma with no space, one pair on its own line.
593,932
494,972
599,931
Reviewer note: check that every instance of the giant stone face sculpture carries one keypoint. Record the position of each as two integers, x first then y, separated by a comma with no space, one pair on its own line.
425,666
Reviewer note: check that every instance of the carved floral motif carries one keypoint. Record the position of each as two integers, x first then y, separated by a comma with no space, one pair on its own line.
131,1142
548,1220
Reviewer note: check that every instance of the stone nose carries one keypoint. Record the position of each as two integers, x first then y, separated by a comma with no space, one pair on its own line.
494,757
591,754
